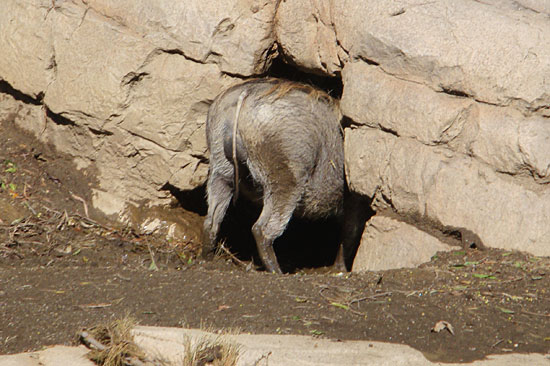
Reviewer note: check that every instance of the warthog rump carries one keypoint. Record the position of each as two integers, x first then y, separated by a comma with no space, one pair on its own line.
285,139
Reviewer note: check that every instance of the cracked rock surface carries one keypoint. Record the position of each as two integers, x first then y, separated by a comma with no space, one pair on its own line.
448,101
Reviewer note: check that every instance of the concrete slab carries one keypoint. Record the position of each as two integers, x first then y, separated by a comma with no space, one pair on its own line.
263,350
53,356
275,350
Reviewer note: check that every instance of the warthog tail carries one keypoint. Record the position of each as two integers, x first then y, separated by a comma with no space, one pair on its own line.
240,102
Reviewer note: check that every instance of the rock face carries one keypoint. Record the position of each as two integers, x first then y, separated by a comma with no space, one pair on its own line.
125,85
449,100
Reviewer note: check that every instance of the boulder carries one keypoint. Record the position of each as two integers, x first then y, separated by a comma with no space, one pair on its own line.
391,244
376,99
501,137
493,52
26,43
448,188
307,36
236,36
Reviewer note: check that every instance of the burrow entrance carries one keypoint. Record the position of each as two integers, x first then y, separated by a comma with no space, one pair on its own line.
305,243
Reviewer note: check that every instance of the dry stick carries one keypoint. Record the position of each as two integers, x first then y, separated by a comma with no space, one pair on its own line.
515,279
325,287
357,312
81,200
64,219
497,343
372,297
232,256
90,341
30,208
322,295
134,361
153,263
390,315
535,314
90,222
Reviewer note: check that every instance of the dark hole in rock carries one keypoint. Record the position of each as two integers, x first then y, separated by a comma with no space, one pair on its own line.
304,243
332,85
194,200
467,238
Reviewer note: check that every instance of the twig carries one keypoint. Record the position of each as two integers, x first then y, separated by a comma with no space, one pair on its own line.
89,222
535,314
372,297
63,221
51,210
356,312
94,306
25,192
90,341
134,361
32,242
389,315
122,277
29,207
81,200
497,343
515,279
153,263
232,256
322,295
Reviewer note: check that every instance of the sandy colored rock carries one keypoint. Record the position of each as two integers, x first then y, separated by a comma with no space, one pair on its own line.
91,81
274,350
452,189
502,137
379,100
236,36
26,45
307,37
506,65
390,244
52,356
135,109
511,143
263,349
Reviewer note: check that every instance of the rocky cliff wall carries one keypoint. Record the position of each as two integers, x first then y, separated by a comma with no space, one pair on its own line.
448,100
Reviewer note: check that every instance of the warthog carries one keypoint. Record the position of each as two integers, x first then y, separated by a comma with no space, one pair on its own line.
285,141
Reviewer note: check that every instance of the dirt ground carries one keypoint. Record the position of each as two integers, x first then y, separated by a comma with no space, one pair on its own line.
61,271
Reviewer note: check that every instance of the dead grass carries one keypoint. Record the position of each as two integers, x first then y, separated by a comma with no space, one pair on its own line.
113,344
208,351
120,349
